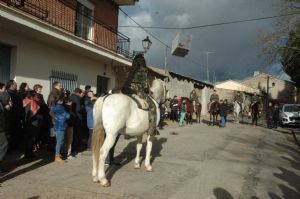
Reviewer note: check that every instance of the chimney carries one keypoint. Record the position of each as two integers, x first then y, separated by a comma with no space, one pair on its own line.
256,73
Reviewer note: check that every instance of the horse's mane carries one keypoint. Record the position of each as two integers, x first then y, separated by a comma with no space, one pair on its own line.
157,89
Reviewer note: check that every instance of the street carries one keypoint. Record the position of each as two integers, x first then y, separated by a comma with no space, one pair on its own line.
197,161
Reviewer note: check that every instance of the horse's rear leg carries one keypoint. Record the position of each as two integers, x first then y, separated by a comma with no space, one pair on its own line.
139,145
108,143
148,153
95,168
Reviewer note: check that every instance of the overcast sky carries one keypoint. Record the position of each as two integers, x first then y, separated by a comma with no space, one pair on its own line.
235,46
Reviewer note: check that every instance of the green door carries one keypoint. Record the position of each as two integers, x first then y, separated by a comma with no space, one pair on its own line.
5,54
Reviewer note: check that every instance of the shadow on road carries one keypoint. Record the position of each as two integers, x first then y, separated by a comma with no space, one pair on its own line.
129,153
34,197
287,176
221,193
13,162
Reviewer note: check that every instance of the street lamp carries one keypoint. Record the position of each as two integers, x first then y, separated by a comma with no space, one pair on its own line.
146,45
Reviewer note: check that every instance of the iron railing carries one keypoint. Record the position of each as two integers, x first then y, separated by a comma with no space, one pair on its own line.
65,15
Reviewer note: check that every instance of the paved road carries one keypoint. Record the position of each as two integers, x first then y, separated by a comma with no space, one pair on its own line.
240,161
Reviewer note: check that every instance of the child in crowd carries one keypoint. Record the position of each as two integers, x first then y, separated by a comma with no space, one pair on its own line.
60,125
182,113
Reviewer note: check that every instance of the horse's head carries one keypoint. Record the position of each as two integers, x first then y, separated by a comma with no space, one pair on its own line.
159,92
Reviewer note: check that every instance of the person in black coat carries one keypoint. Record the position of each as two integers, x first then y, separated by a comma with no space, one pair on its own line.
269,115
275,116
16,117
223,108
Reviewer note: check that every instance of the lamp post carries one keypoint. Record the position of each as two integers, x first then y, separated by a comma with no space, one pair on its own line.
207,73
146,45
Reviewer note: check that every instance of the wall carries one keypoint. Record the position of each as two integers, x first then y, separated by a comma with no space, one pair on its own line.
283,91
181,88
62,14
33,61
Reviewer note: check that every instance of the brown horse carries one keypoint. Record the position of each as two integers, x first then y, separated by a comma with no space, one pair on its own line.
213,113
198,109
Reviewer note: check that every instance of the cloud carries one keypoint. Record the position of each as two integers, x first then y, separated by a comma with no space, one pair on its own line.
235,45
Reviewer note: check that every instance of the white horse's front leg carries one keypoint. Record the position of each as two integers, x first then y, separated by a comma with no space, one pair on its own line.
108,143
139,145
148,153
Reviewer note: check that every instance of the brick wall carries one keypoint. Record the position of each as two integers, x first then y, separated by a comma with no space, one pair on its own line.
59,14
62,14
107,12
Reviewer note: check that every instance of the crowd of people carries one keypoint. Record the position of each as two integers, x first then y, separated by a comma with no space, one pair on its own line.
63,124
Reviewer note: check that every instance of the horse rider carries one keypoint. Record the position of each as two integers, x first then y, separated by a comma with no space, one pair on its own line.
137,83
239,99
194,98
254,99
213,98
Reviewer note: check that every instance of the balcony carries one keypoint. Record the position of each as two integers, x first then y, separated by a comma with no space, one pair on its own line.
66,15
125,2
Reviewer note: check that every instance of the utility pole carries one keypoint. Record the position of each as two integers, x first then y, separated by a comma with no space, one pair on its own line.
207,73
267,97
166,57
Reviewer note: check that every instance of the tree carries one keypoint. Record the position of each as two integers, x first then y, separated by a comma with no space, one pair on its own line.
273,42
290,55
283,43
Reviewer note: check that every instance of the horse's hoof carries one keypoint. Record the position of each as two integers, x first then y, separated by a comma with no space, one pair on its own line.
149,168
105,183
137,165
95,179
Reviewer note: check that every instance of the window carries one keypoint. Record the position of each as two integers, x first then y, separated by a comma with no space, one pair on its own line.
83,23
68,80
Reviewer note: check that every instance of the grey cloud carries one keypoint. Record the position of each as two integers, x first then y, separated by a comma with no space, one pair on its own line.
235,45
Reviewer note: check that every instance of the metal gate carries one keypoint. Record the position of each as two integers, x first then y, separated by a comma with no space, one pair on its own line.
68,80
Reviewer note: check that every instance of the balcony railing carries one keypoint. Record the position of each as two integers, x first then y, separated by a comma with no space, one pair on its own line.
68,15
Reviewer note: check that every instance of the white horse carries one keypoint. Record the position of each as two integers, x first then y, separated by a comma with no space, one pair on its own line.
238,111
119,113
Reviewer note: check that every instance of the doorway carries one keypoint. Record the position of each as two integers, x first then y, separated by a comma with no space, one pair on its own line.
102,85
5,56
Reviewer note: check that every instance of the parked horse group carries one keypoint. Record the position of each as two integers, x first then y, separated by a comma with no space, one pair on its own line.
239,109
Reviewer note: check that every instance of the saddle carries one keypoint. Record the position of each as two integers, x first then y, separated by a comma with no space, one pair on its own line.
141,103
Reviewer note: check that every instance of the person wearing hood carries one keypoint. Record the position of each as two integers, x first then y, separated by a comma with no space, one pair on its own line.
60,125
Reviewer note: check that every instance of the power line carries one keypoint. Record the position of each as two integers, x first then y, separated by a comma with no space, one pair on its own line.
210,25
155,37
144,29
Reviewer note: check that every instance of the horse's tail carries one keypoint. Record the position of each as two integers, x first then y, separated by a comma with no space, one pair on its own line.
98,131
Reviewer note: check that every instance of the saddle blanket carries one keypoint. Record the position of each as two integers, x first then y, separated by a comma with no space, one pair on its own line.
142,104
